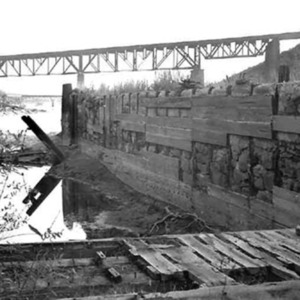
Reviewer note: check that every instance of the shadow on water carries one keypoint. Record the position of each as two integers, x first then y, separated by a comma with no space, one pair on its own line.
48,208
37,208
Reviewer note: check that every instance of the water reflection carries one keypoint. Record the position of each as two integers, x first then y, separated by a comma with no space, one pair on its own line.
41,217
40,208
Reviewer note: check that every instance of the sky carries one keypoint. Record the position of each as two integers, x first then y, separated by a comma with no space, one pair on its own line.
53,25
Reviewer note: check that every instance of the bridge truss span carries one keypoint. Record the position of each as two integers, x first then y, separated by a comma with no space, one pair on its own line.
176,56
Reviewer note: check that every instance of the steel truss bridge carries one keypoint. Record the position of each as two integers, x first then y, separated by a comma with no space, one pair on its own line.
181,55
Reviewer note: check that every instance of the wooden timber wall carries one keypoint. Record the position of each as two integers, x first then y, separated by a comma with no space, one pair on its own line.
232,157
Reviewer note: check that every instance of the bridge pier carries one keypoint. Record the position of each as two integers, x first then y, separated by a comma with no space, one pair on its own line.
80,80
272,61
197,75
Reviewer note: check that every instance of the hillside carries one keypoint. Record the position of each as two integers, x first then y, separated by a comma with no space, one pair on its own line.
255,74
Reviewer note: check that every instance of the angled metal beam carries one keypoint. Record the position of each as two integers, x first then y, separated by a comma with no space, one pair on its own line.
57,60
105,57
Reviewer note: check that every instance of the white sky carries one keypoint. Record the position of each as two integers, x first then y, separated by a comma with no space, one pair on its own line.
49,25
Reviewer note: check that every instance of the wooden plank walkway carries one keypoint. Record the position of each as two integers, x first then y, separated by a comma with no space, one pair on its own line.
151,264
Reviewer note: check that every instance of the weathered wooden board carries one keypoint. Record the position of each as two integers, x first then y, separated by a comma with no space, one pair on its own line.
172,137
198,268
179,133
131,126
215,258
289,233
168,141
270,246
286,124
66,262
292,254
173,122
255,114
244,246
278,266
230,251
130,118
80,285
254,129
157,263
291,242
132,122
215,117
165,102
208,136
260,254
233,102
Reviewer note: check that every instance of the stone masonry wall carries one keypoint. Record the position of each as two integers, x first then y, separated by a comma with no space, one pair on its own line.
247,165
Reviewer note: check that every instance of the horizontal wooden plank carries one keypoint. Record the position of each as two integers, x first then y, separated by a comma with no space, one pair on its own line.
177,143
286,290
165,102
131,118
67,262
179,133
168,136
256,114
254,129
209,136
286,124
132,122
232,102
183,123
131,126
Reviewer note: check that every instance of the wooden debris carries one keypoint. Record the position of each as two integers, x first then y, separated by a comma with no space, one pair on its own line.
172,266
24,157
114,275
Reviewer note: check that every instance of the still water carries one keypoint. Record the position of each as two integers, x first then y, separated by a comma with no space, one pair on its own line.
71,211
